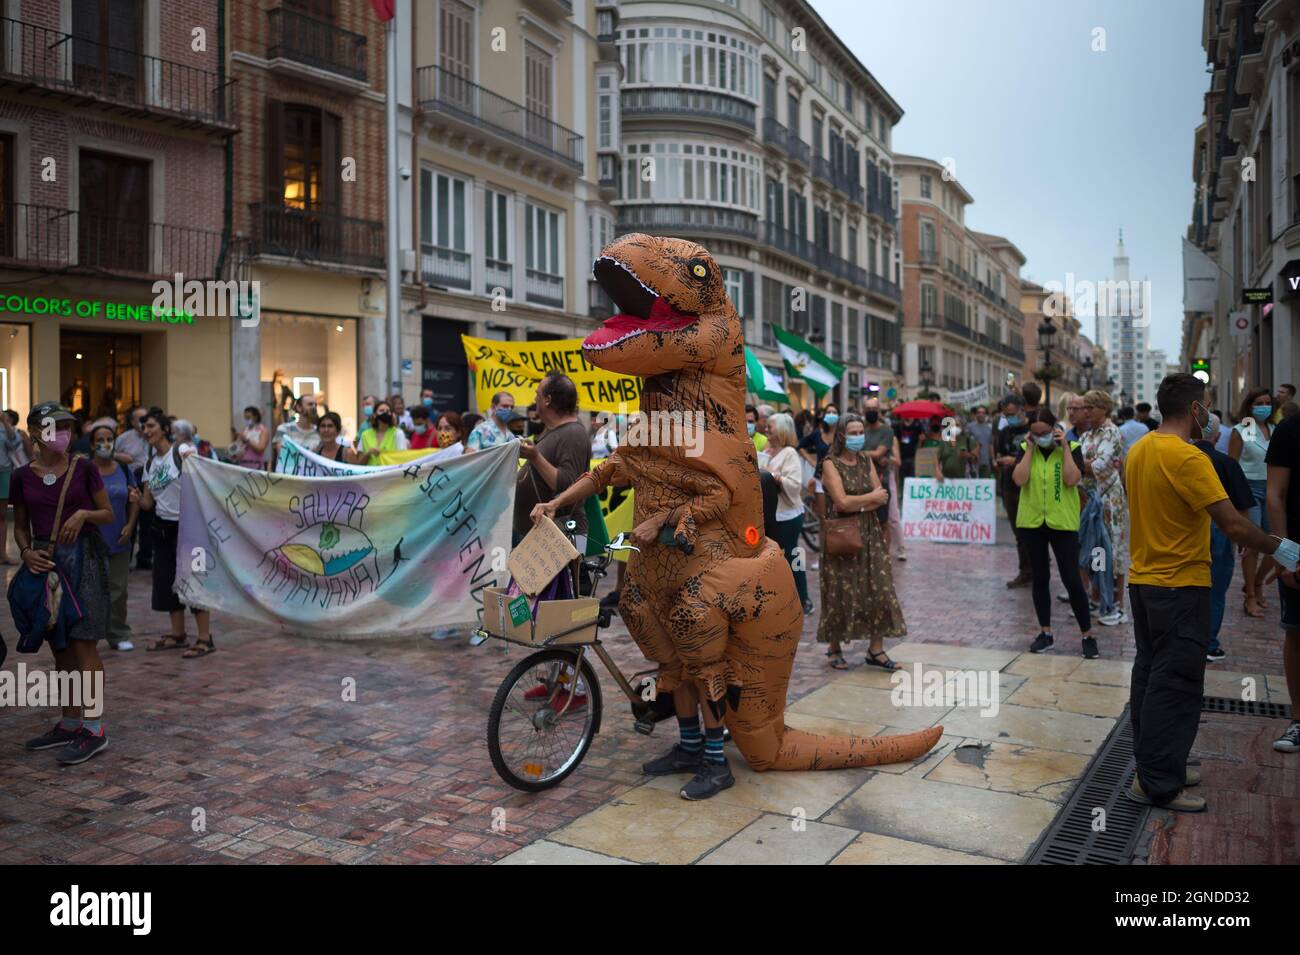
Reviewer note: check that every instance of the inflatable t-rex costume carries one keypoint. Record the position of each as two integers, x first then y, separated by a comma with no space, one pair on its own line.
718,603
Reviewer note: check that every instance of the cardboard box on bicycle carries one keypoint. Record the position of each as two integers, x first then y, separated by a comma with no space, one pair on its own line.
575,619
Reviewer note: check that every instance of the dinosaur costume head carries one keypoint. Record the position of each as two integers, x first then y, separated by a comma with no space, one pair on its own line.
674,311
717,603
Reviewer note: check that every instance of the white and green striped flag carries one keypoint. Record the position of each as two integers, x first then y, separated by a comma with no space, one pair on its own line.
804,361
761,381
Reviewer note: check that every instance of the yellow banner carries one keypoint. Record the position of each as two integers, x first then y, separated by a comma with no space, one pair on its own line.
401,457
517,367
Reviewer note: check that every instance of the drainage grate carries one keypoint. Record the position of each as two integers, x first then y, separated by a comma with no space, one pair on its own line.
1229,704
1070,839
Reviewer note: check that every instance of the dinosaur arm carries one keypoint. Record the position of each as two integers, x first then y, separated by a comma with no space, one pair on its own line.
711,502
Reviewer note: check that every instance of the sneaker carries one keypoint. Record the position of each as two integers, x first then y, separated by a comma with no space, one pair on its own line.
124,645
1043,641
1114,618
902,555
85,745
610,600
710,780
1180,803
1217,655
1063,596
1193,777
1090,651
1289,742
541,693
55,737
807,607
1020,580
444,633
676,760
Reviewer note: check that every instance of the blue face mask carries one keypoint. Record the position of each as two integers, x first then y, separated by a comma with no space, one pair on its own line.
1262,411
1045,441
1013,419
427,402
855,442
503,414
831,420
751,428
367,410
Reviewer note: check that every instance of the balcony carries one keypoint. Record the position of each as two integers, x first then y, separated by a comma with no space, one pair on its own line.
688,103
687,220
124,83
882,286
929,257
316,236
821,169
543,288
881,206
498,275
446,268
796,149
476,109
48,237
316,50
607,171
813,254
957,328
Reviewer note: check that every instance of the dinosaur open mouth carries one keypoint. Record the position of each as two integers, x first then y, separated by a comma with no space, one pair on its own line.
640,308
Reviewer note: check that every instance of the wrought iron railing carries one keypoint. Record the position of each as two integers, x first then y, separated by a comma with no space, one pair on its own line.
782,138
315,235
50,237
83,68
442,91
316,43
688,102
683,219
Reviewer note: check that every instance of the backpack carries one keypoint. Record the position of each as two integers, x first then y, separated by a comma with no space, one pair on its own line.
176,459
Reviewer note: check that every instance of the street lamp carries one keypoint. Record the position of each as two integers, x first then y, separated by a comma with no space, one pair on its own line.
927,375
1087,373
1046,333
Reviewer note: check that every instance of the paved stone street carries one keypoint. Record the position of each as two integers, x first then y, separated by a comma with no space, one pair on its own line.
260,740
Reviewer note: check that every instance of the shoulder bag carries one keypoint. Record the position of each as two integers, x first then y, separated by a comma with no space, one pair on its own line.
841,536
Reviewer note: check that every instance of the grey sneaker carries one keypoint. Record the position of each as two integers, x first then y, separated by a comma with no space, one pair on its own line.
711,779
54,738
676,760
1288,742
85,745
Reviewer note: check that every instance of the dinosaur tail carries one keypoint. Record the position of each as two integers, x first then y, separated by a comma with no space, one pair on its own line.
800,750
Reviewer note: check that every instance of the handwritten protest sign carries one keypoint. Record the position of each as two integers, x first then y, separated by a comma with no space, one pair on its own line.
542,554
391,550
517,367
958,511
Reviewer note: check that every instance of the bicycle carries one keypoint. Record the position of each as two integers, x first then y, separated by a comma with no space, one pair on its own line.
549,706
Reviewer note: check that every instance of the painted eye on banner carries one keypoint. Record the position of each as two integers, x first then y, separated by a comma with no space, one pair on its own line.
327,549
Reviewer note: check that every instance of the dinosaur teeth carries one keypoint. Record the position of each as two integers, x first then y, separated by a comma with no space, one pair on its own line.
610,258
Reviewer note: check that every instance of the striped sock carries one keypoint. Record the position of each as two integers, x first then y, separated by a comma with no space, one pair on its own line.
95,727
70,723
713,745
692,738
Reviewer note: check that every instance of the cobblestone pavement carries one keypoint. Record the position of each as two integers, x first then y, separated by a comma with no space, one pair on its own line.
257,741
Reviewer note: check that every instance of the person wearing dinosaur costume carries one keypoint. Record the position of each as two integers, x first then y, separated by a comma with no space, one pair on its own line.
710,598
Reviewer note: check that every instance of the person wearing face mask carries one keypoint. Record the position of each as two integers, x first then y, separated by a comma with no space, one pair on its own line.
124,498
752,429
252,440
492,430
786,467
302,430
423,434
981,429
1173,494
368,403
382,435
75,548
858,601
401,414
814,447
451,431
882,446
1248,446
1103,477
1007,449
1047,471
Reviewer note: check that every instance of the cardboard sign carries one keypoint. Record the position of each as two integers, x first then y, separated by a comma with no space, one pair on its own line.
960,511
927,462
542,554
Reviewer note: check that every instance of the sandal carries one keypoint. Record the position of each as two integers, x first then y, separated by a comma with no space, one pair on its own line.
1245,608
873,660
201,648
837,661
169,642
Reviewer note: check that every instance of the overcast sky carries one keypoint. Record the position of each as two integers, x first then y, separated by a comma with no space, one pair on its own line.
1059,145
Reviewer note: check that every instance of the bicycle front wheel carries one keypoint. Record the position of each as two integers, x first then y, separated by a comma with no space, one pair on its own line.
543,719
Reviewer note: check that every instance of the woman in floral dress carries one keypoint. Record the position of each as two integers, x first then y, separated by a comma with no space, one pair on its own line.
1103,459
857,590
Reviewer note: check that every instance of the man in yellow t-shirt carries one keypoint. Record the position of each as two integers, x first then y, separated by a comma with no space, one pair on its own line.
1173,494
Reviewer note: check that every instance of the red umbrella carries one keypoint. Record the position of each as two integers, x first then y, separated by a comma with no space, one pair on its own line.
921,409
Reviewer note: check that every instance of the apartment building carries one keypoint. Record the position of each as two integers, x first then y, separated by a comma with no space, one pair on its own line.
113,125
1065,360
513,100
962,325
747,125
1246,211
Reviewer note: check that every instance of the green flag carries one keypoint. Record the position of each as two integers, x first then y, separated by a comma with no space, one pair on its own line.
761,381
597,535
804,361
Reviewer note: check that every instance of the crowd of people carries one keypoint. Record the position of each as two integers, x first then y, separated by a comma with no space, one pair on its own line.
1163,499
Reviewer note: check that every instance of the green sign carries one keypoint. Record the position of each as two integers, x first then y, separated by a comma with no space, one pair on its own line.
519,612
93,308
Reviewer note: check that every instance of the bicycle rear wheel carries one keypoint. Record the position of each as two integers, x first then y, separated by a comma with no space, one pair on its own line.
534,739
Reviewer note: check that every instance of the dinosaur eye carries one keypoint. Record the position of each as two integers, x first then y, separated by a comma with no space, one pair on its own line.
699,270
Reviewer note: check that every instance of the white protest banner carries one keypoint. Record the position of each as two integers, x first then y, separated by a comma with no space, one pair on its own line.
979,395
300,462
392,550
960,511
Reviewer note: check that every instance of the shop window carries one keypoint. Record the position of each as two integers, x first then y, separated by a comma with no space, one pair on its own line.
15,368
318,356
99,372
